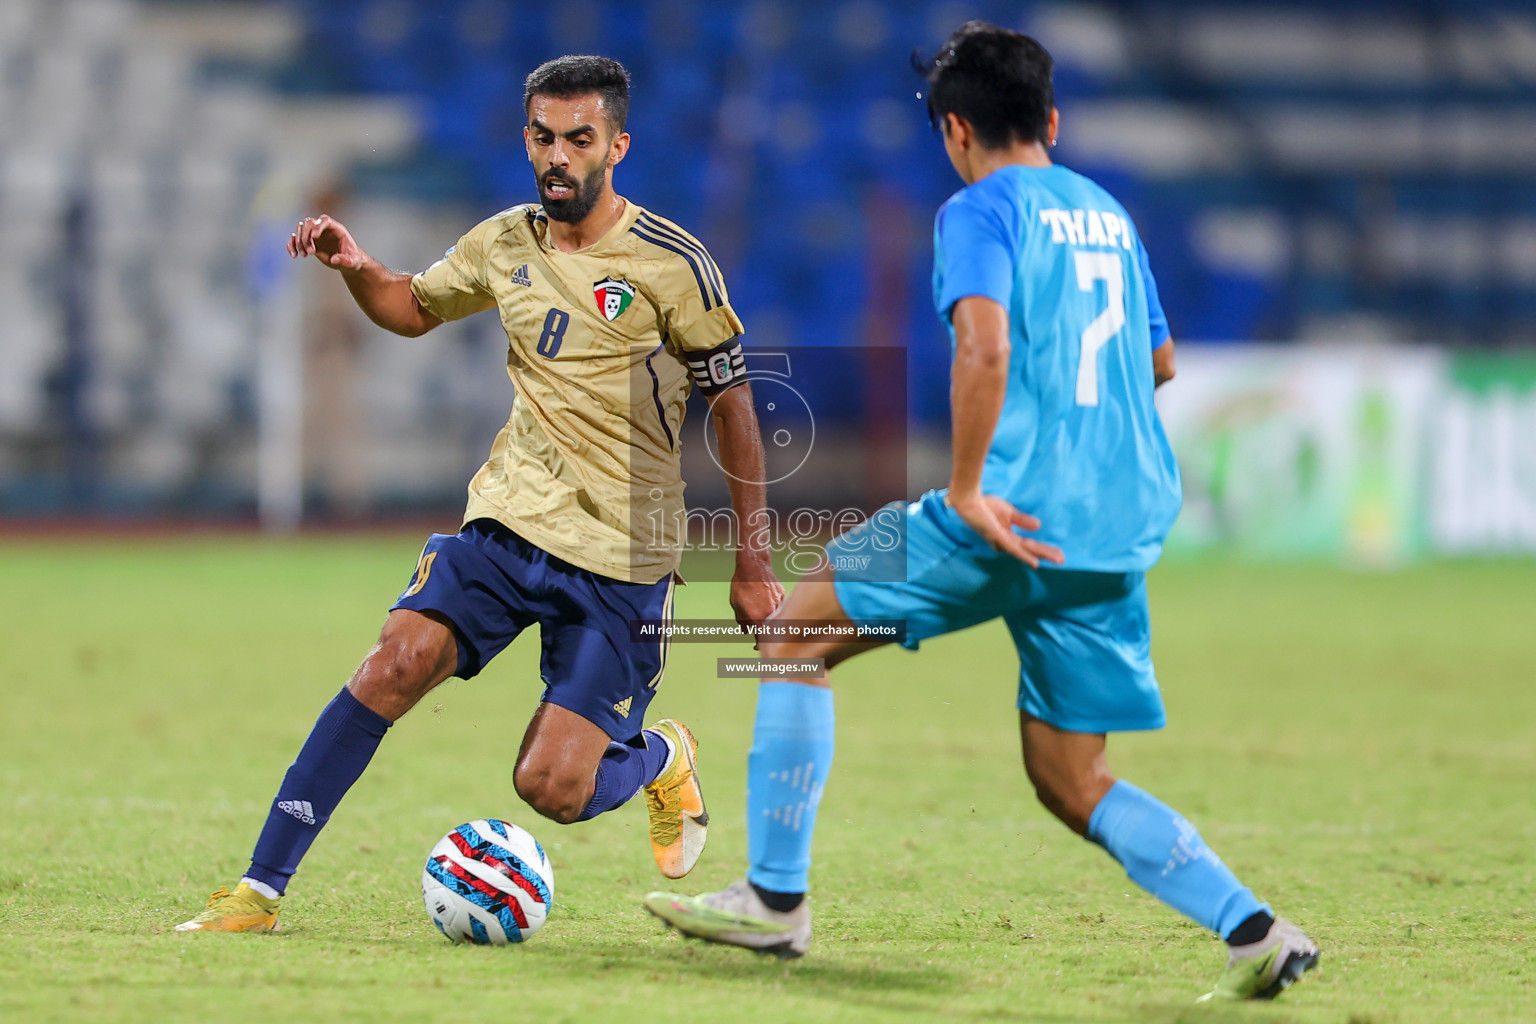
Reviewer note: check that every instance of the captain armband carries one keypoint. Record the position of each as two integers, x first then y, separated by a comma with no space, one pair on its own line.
718,369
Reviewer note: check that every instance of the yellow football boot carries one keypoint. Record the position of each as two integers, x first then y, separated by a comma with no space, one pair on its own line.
679,822
244,910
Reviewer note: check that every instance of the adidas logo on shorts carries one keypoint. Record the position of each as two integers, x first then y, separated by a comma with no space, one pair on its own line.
623,706
300,809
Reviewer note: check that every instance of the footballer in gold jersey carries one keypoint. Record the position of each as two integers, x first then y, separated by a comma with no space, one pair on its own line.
613,314
606,343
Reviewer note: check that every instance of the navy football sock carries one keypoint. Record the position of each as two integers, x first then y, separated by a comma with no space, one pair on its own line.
338,749
624,770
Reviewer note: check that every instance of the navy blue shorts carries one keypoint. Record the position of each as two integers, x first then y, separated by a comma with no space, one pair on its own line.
492,584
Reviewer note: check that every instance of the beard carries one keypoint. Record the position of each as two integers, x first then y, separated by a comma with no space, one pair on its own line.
583,196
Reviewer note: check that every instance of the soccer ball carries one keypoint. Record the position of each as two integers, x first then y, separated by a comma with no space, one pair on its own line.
488,882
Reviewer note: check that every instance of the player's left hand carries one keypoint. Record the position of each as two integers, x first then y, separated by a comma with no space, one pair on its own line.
995,519
756,593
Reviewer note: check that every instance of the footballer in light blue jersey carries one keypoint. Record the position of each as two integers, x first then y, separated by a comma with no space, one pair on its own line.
1078,443
1062,488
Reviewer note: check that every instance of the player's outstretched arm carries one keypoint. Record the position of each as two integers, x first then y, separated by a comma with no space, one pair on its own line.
977,390
384,295
1162,364
755,590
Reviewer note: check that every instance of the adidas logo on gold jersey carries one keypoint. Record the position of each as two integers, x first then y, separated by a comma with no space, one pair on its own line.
623,706
521,276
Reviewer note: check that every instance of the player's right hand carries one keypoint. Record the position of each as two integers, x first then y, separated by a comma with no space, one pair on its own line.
995,518
328,240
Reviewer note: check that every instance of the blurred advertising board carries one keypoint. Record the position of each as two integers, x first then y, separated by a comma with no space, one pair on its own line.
1483,487
1301,452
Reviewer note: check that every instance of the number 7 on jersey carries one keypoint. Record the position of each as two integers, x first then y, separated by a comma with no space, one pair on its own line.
1091,267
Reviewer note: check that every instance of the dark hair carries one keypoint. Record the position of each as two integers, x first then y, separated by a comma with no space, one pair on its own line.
999,81
565,77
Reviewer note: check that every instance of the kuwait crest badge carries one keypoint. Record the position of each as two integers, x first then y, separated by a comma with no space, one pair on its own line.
613,297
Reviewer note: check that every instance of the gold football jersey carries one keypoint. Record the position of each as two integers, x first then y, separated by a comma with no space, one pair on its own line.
605,344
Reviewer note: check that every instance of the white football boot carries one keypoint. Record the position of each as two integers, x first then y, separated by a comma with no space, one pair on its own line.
735,916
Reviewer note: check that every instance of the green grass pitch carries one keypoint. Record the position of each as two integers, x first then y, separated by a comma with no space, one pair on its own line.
1360,748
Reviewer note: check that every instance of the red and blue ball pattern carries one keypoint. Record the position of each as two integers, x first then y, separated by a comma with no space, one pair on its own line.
488,882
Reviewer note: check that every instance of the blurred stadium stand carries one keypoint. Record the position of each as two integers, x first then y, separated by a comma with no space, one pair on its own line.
1319,172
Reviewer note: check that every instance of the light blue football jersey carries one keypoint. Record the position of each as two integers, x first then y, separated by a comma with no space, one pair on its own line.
1079,443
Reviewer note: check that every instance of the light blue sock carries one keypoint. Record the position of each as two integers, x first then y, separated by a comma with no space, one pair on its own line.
791,759
1162,853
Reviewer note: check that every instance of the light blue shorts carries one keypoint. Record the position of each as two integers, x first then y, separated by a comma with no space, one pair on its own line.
1084,638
